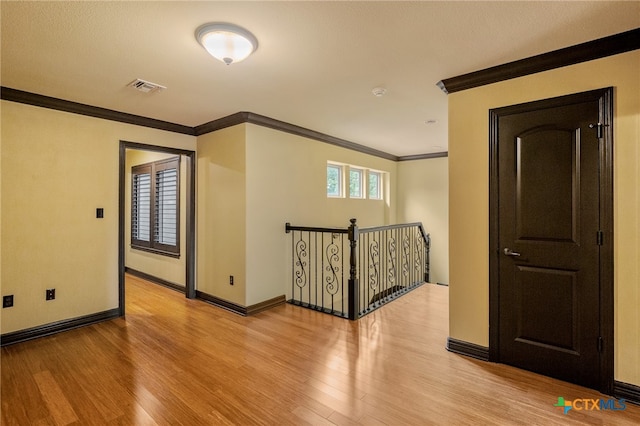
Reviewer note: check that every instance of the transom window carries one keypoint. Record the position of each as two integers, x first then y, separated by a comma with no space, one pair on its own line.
155,207
375,185
355,182
334,180
360,182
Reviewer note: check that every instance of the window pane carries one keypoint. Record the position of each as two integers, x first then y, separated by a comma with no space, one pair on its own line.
141,211
355,183
334,184
375,185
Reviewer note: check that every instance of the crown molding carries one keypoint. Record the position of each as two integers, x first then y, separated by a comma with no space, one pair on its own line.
221,123
272,123
35,99
423,156
596,49
29,98
607,46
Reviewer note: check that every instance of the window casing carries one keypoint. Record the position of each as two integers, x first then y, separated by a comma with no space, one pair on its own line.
155,207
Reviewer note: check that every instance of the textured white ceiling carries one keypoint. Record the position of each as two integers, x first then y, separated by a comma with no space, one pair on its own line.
315,67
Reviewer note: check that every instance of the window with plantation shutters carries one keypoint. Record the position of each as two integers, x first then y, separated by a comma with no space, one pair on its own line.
141,204
155,206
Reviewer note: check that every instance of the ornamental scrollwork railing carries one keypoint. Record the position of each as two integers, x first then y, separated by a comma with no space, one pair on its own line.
351,272
319,262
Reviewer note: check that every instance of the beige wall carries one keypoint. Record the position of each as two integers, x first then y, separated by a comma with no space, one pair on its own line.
251,180
286,182
1,134
57,168
423,196
165,267
468,195
221,214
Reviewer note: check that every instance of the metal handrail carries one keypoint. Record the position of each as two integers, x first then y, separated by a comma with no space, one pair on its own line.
392,260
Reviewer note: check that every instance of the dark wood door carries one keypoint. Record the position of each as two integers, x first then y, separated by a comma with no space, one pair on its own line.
549,238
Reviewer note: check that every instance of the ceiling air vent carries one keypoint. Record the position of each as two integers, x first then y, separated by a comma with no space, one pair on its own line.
145,86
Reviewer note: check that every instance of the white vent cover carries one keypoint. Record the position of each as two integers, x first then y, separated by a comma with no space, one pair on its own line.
378,91
145,86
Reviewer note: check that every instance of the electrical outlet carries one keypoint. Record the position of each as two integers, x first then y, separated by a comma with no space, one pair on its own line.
7,301
51,294
230,279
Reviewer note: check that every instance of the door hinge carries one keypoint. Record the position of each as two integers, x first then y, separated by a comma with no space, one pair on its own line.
599,238
599,129
599,344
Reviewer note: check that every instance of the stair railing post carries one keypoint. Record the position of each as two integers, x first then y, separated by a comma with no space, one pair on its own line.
354,293
427,265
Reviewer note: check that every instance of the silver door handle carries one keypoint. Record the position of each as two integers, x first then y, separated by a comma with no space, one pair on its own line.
509,252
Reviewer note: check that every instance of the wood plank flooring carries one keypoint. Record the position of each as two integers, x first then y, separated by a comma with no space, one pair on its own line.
175,361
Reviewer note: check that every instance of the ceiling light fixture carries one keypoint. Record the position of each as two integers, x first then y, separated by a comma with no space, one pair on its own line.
226,42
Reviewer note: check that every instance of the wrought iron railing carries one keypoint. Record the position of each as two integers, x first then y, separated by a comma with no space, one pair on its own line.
351,272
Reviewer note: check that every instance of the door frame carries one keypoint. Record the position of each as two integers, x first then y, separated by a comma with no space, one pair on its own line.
605,100
190,290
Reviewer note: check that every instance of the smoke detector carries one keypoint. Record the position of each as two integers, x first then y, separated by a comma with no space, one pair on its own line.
378,91
145,86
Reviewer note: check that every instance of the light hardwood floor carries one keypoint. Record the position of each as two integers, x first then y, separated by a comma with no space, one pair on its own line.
178,361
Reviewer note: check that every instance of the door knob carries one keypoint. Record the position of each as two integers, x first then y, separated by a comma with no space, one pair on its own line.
508,252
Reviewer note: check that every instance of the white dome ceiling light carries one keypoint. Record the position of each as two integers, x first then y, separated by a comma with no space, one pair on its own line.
226,42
